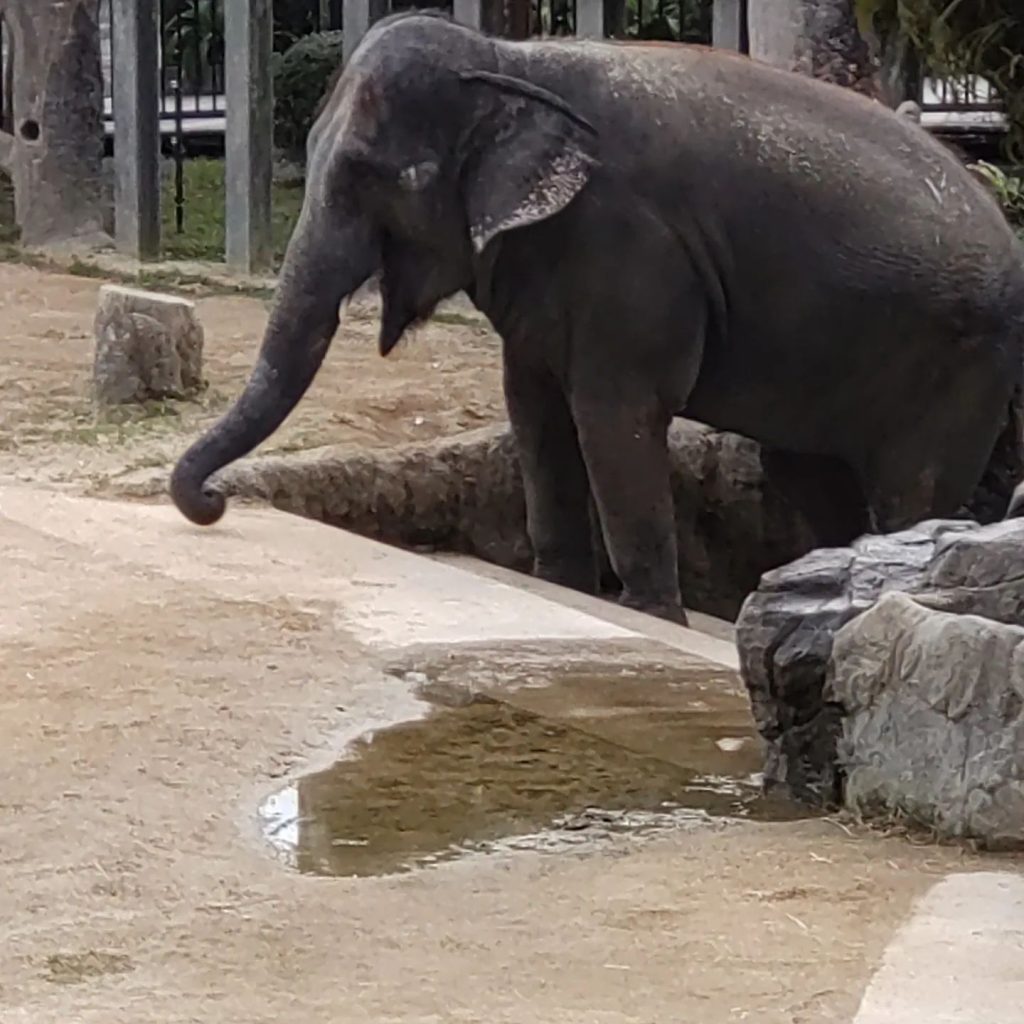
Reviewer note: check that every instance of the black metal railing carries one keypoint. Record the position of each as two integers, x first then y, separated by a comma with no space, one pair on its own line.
6,118
192,55
192,60
965,95
192,101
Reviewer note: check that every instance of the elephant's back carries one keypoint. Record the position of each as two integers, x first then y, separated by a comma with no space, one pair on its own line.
759,147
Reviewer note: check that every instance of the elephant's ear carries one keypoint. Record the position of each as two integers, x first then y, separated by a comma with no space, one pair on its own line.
528,156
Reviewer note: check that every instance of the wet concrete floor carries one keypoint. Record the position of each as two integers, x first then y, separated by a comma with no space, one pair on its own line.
542,757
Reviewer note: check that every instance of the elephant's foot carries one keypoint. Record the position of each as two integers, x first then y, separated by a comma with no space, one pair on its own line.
577,572
673,611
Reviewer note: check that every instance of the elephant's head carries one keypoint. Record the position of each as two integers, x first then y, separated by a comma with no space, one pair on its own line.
424,153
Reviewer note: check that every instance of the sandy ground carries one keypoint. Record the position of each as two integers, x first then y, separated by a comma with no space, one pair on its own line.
143,715
443,378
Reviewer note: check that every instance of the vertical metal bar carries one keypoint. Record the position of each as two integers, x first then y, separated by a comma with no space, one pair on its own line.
249,32
465,12
3,97
212,54
357,23
727,18
590,19
108,81
136,89
179,137
197,47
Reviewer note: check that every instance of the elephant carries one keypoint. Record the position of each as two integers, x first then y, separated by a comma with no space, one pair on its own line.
654,231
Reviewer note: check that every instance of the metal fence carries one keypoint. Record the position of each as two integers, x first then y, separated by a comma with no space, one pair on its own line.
192,46
192,57
192,61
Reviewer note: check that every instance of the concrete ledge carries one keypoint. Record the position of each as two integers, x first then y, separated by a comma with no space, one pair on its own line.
383,596
958,960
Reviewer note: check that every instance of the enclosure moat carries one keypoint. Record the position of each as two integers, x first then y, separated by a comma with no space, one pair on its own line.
567,761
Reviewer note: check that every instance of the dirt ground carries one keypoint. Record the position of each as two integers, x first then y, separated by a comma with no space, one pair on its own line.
444,378
143,716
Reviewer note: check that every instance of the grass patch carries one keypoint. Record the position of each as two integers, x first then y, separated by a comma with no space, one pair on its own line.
8,229
202,235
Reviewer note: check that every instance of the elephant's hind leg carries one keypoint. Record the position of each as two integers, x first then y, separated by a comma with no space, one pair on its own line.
824,489
933,467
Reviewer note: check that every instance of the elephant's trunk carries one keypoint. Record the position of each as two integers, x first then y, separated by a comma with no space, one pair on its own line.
323,266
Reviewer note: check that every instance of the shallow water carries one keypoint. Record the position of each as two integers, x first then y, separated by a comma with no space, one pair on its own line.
566,759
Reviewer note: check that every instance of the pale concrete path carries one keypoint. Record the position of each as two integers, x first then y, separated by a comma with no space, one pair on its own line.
158,680
387,597
958,960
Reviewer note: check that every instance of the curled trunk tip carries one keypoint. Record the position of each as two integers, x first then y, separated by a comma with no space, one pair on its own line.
197,502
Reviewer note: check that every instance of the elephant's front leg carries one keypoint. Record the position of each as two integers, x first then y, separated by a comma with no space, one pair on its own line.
625,447
554,477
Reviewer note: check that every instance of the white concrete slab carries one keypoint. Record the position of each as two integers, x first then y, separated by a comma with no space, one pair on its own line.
707,637
384,596
958,960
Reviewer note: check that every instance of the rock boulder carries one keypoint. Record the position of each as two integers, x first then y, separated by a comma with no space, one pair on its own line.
933,719
831,698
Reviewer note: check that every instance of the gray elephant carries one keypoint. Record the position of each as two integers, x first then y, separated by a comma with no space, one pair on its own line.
654,230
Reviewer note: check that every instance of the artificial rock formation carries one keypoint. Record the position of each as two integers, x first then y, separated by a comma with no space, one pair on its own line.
465,494
785,633
148,346
853,710
933,725
734,516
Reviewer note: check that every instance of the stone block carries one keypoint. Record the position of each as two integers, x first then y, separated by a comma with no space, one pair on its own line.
148,346
933,720
802,681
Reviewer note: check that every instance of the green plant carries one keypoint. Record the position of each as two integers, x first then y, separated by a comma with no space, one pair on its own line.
293,19
301,77
959,38
687,21
193,36
1008,189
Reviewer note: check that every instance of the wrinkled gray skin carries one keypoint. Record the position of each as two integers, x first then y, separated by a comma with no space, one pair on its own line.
655,231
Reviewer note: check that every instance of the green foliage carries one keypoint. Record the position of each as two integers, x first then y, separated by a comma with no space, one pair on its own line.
958,38
686,21
193,39
203,236
293,19
1008,189
301,77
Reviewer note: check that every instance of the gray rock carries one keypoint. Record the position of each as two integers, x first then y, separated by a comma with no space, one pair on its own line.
785,633
787,630
933,717
148,346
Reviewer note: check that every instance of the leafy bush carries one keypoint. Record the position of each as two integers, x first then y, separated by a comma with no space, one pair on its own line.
960,37
1008,189
293,19
193,40
302,75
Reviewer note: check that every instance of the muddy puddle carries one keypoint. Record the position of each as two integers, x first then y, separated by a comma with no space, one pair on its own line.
549,760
